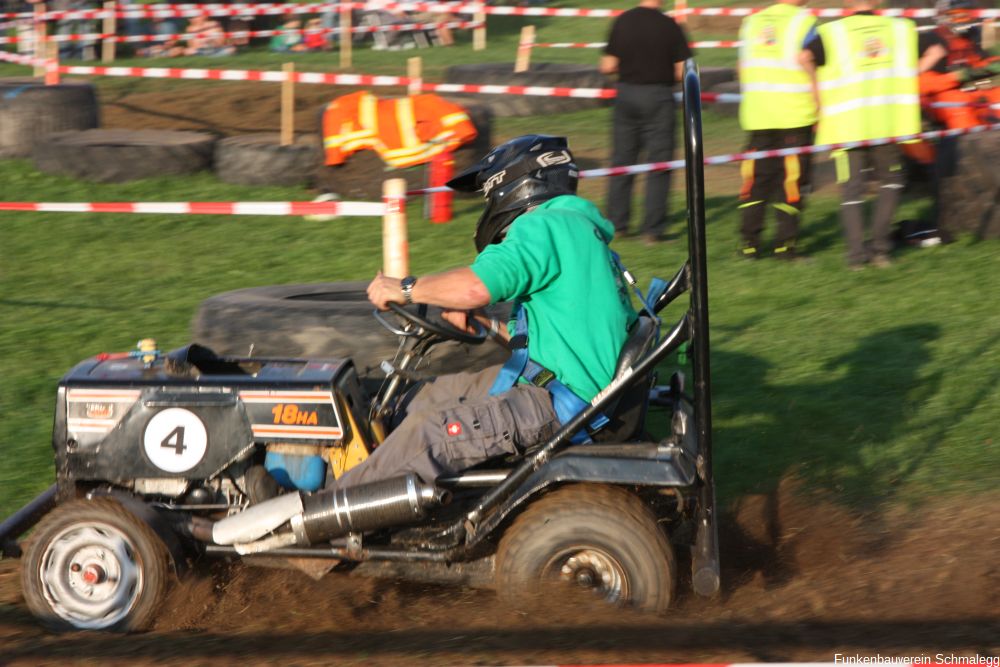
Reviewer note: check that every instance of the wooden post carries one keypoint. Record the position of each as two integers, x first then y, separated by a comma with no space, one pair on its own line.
346,37
38,45
414,71
395,247
52,64
288,105
479,34
110,27
679,11
989,34
523,61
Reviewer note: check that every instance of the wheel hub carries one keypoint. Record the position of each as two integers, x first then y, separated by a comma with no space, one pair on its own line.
94,574
90,576
595,571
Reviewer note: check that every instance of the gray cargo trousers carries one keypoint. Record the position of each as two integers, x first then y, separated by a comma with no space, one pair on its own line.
451,423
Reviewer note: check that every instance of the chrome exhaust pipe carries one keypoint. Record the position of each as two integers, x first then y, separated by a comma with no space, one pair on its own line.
322,516
254,522
357,509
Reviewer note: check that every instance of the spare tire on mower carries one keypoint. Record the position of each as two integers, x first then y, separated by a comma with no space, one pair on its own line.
260,159
30,110
556,75
116,156
321,320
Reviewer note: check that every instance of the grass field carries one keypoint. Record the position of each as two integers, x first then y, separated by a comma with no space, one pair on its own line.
872,387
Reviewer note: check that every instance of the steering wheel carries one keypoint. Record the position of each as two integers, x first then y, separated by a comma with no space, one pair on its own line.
438,326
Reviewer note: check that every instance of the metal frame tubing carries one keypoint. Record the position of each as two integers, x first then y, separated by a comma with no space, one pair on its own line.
705,553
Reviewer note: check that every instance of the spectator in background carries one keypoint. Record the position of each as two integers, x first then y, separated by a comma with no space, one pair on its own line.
206,38
289,39
952,61
647,50
85,49
315,39
167,44
864,71
778,110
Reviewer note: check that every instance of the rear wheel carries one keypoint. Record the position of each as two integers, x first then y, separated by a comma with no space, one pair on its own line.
601,538
92,565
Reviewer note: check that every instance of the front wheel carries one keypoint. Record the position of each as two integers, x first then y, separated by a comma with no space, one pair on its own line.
92,565
601,538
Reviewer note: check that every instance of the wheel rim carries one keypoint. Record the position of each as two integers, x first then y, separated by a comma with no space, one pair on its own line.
91,576
591,569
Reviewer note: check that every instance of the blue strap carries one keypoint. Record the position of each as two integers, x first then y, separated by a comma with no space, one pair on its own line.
566,404
514,366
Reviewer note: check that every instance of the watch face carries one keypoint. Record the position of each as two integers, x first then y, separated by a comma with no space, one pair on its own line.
406,285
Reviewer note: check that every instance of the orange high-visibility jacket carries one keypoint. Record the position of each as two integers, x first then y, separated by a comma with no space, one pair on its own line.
404,132
947,87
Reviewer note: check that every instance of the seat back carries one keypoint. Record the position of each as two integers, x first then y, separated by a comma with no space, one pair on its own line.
627,415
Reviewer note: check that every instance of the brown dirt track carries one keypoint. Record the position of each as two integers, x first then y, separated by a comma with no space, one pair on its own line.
802,580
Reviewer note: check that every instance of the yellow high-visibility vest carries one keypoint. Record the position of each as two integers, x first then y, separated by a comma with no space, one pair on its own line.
868,85
777,92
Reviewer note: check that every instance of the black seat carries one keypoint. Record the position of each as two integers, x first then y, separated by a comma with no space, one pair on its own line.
627,415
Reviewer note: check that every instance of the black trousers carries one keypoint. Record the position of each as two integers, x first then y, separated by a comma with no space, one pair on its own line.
886,164
644,120
778,180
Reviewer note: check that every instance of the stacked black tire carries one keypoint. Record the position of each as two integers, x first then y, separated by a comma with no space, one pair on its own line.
970,199
261,159
30,110
116,156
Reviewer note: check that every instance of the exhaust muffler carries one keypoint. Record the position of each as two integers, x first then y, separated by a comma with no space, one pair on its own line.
326,515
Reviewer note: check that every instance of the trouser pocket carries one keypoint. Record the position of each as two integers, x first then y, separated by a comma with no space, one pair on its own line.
470,433
534,417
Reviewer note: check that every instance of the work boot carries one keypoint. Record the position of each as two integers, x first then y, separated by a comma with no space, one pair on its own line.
749,251
786,251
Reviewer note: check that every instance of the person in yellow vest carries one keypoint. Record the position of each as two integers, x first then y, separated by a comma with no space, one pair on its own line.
778,110
864,70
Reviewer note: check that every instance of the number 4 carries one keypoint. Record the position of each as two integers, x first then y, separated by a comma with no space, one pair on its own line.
174,440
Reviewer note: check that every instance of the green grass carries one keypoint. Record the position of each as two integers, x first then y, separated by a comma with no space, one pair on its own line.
874,387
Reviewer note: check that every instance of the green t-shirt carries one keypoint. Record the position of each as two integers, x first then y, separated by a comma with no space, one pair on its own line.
556,262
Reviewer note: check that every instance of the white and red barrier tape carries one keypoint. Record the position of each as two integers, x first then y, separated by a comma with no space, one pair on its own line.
165,11
707,44
377,209
334,208
397,27
757,155
330,78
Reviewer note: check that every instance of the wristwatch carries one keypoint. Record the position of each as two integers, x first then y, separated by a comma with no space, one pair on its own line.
406,285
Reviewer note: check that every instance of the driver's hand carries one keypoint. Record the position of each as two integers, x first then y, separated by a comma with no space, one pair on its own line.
383,290
458,319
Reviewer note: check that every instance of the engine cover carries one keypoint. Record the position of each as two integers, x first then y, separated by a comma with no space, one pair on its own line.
191,413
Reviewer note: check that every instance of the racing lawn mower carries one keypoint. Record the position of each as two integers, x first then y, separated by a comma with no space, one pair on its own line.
162,459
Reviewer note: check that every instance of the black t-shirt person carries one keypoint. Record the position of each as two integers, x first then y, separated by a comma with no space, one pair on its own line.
647,44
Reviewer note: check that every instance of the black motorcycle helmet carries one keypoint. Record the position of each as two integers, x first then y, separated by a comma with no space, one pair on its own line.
514,176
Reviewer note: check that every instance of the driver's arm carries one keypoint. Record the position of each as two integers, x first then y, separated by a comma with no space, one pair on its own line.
457,289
